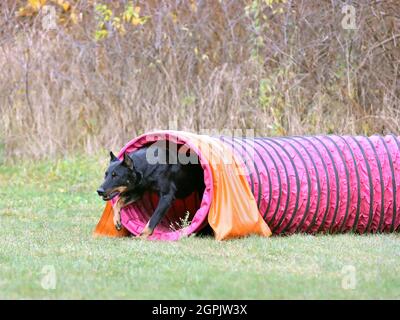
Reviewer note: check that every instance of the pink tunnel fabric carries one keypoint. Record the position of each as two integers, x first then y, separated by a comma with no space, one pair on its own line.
301,184
325,183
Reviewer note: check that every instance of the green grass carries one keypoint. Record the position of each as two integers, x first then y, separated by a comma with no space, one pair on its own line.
49,209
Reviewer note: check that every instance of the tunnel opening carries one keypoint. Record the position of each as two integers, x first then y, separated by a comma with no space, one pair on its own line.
187,215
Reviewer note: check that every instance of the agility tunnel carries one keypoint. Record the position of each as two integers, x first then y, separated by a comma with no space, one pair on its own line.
279,185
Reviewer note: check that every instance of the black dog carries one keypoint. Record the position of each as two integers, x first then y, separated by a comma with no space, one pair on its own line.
134,175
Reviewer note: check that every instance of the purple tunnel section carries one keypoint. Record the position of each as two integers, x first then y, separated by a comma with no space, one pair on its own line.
330,184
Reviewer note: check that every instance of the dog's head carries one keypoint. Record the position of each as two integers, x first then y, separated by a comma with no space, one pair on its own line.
120,177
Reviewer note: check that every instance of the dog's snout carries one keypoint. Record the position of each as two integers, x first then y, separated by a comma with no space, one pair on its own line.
100,192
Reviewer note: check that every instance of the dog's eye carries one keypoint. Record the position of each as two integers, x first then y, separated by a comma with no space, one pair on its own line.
113,174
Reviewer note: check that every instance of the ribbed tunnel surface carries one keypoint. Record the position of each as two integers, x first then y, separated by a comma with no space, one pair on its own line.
324,183
301,184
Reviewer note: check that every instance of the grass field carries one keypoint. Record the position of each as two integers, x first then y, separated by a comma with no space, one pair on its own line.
49,209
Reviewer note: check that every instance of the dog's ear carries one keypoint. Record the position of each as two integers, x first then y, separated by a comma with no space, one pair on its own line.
128,161
113,157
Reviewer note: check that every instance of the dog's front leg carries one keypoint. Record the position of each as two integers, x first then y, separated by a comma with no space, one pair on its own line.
117,213
164,204
123,201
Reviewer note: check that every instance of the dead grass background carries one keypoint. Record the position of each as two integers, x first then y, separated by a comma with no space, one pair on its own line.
281,69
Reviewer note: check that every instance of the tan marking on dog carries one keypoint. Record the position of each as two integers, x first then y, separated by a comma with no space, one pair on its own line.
118,206
121,189
117,213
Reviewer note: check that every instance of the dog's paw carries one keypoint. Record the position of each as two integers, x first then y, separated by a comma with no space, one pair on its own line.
142,236
147,232
117,223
